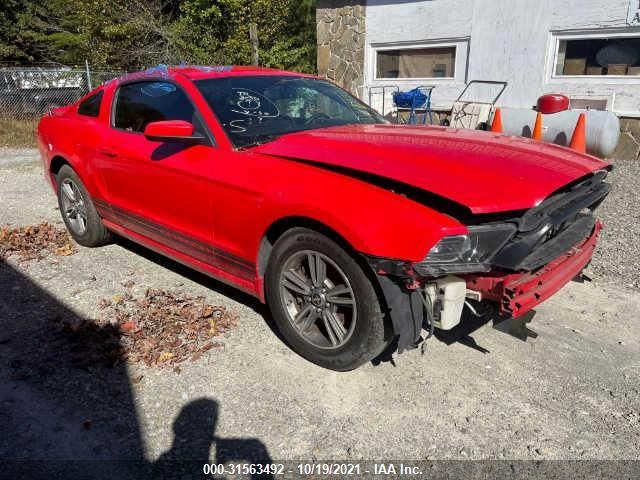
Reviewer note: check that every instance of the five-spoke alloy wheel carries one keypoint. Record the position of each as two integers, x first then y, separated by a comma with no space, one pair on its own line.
78,211
323,302
319,300
73,207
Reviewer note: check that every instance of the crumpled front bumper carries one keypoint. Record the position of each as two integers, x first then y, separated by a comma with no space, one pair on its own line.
517,293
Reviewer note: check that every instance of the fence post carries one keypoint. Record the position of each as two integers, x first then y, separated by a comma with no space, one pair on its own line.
86,66
253,40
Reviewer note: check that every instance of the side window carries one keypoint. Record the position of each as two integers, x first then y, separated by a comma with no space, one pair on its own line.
90,107
138,104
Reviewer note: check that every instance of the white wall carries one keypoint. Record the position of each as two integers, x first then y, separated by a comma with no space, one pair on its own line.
392,22
510,40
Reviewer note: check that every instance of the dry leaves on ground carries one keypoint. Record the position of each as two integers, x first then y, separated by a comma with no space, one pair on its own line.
34,242
160,329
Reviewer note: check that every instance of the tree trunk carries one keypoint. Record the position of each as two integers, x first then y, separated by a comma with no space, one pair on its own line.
253,39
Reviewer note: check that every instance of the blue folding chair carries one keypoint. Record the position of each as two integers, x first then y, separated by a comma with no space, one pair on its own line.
417,99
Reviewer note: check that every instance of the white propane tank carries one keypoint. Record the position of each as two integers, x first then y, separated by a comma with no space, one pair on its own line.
603,128
447,296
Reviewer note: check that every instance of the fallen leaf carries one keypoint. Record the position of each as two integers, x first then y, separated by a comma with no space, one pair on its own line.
65,250
164,356
104,303
159,329
128,326
213,327
34,242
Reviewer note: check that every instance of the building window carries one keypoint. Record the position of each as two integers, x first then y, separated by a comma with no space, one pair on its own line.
615,56
432,62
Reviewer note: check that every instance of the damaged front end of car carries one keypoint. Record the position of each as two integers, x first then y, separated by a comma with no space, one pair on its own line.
511,264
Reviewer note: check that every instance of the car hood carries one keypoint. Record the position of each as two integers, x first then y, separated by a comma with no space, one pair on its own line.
484,171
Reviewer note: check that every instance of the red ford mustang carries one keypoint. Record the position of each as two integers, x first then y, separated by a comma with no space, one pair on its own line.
356,233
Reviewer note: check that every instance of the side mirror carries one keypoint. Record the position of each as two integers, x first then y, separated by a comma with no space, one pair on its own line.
177,131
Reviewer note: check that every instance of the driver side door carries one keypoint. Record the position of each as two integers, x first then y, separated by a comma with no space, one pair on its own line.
159,190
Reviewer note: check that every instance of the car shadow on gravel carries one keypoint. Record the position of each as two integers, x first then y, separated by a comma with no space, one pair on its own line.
515,327
460,334
206,281
67,406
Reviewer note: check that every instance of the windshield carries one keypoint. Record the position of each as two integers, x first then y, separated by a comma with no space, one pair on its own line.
258,109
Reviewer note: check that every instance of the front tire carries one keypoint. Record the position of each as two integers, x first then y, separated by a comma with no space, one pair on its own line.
322,302
78,211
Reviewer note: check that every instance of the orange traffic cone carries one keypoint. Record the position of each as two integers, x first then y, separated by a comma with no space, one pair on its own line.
579,138
537,129
496,125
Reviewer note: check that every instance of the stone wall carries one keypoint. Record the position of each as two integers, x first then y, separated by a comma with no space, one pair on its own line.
341,37
629,144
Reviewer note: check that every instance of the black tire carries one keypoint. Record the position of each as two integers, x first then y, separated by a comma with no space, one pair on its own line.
95,234
366,339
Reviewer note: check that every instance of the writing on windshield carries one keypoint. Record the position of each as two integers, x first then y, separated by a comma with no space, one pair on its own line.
256,109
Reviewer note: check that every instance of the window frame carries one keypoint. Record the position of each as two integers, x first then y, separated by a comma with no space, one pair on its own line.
99,93
461,60
555,37
114,104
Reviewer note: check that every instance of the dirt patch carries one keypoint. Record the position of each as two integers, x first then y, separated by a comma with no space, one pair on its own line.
159,329
34,242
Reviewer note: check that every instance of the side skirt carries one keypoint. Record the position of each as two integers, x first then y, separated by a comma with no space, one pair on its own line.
190,251
216,273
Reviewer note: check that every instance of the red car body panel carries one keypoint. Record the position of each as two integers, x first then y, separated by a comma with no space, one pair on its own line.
211,206
486,172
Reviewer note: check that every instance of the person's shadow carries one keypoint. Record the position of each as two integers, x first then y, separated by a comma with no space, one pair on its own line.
194,436
67,406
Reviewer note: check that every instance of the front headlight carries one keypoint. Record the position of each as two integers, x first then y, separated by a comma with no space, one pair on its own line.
466,253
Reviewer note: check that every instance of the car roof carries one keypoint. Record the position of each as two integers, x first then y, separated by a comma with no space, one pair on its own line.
195,72
201,72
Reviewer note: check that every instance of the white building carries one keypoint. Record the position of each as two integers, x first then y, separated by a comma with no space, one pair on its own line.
586,49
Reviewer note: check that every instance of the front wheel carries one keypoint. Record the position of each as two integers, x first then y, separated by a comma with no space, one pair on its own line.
322,302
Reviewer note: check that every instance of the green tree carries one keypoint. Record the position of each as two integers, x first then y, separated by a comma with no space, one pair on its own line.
13,44
217,31
124,35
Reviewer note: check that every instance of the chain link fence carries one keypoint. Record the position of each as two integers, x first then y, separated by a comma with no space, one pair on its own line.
28,92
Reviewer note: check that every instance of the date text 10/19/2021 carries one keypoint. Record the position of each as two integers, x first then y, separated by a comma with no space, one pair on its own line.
310,469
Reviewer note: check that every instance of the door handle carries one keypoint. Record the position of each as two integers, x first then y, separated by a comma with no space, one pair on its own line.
108,153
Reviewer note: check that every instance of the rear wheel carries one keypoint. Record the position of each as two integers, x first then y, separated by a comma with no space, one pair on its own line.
322,302
78,211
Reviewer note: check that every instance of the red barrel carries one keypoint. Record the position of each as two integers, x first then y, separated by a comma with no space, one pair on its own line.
553,103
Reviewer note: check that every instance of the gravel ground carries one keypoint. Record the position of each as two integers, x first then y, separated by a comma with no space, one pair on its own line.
617,258
488,392
18,156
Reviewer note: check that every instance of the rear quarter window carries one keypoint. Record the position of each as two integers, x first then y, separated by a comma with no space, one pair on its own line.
90,107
